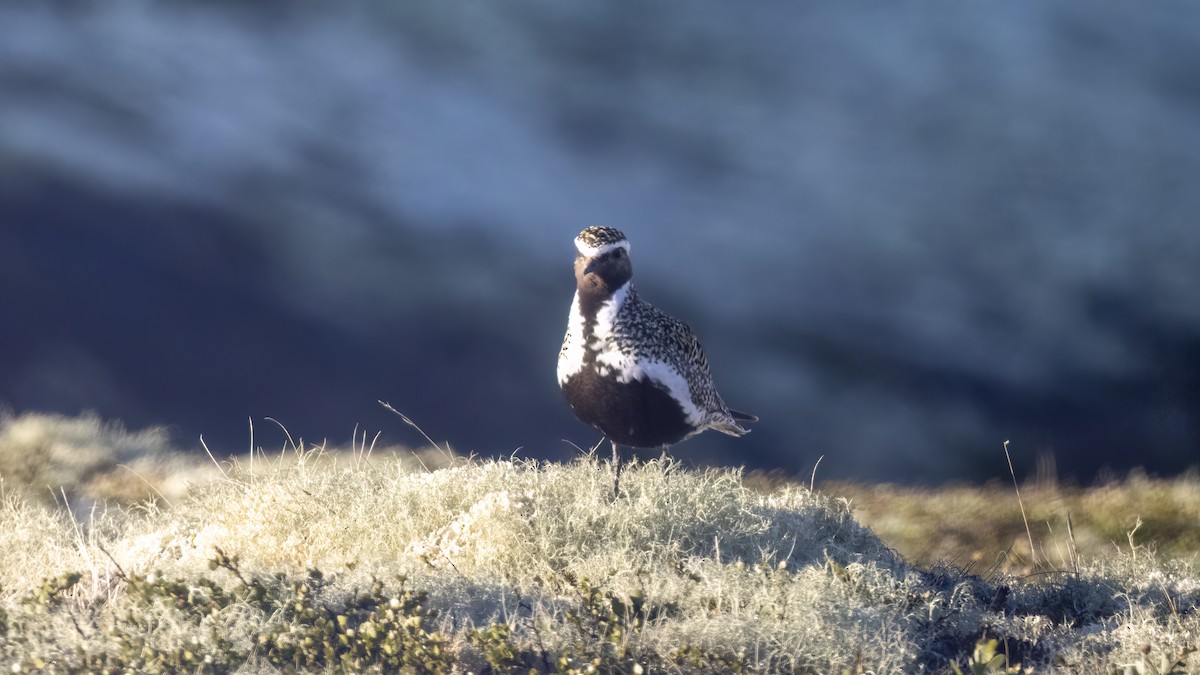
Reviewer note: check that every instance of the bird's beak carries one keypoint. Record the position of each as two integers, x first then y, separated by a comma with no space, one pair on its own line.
590,268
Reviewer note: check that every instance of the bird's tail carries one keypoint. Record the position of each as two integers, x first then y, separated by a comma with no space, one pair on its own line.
731,423
741,416
729,427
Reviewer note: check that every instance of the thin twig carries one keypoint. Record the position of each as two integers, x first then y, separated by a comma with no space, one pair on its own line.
281,428
120,572
210,456
813,481
413,424
1071,547
251,420
1021,503
581,450
1133,547
1001,558
371,449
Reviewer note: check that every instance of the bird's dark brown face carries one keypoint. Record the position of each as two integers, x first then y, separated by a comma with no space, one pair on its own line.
602,274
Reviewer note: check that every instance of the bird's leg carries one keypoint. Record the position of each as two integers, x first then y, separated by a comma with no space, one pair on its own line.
616,464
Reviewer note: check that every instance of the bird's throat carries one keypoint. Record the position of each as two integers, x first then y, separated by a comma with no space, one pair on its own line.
595,296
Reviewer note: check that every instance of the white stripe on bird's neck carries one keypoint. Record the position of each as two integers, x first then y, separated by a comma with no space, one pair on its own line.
583,335
606,316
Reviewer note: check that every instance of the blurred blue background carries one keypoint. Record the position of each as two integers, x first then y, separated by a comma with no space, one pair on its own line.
904,233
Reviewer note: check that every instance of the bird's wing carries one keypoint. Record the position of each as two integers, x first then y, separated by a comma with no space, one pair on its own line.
684,353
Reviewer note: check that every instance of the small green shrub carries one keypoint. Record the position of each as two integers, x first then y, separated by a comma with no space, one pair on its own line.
383,628
987,660
49,594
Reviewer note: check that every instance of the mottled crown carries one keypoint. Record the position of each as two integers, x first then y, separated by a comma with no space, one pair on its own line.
596,241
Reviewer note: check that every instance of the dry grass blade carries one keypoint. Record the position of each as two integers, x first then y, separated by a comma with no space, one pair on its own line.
1028,532
1072,547
214,459
449,454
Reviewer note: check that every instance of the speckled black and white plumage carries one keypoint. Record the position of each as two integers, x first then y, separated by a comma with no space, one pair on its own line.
593,238
627,368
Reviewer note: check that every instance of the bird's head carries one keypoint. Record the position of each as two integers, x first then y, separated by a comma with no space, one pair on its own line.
602,265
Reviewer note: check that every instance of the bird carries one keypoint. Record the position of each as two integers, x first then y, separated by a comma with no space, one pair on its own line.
626,367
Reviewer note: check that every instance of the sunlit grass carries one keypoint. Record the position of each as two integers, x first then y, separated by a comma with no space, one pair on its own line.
361,558
981,527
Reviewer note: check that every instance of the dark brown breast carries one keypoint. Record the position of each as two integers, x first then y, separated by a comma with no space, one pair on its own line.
639,413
